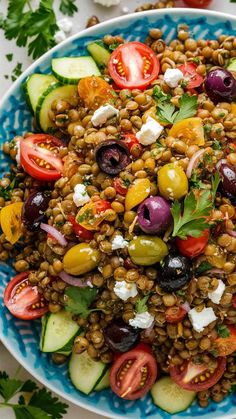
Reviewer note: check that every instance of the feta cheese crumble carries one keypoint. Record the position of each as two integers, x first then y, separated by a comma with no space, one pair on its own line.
125,290
17,147
59,36
102,114
149,132
142,320
173,76
80,196
215,296
65,25
201,319
119,243
107,3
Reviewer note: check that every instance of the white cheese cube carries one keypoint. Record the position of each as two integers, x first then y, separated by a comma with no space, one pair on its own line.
142,320
59,36
201,319
215,296
65,25
119,243
80,196
173,76
149,132
125,290
102,114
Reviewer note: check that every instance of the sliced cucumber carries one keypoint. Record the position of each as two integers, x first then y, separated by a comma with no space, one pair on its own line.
232,65
170,397
54,92
85,373
71,69
99,53
104,382
35,86
58,332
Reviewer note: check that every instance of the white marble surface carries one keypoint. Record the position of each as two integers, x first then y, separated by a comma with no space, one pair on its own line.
86,9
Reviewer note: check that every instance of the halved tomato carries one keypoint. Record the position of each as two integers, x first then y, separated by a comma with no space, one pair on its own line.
193,246
175,314
189,130
133,373
120,186
95,91
92,214
192,78
133,144
226,346
79,230
39,157
133,65
198,377
23,300
198,3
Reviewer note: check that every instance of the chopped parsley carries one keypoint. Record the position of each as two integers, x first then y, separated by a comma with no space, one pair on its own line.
78,300
216,145
203,267
196,181
17,71
9,57
223,331
87,215
68,7
141,305
7,192
207,158
113,46
168,113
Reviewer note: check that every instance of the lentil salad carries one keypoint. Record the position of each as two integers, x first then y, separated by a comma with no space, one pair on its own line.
115,211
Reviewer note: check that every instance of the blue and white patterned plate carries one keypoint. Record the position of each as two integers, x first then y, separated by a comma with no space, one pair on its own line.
21,337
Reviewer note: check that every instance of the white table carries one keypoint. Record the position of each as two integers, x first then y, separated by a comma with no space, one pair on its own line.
86,9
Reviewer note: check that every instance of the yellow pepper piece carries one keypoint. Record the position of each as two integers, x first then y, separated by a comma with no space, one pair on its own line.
189,130
10,220
152,112
233,108
137,192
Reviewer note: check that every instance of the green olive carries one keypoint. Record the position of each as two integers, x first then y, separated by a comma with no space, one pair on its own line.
172,181
81,259
147,250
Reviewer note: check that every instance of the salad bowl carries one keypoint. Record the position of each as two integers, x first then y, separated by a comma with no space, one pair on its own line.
20,337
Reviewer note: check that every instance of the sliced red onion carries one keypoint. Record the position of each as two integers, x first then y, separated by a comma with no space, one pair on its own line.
193,161
215,271
231,233
220,162
73,280
186,306
54,233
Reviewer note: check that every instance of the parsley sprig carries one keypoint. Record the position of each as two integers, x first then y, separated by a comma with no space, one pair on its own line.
168,113
78,300
141,305
7,192
39,405
68,7
223,331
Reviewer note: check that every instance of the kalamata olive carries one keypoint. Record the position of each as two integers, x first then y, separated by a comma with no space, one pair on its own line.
154,215
176,272
220,85
33,212
121,337
112,156
228,178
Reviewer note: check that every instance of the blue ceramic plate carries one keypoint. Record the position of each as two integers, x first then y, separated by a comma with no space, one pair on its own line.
22,338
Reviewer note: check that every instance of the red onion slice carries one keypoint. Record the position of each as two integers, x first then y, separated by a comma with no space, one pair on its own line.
193,161
73,280
215,271
186,306
231,233
220,162
54,233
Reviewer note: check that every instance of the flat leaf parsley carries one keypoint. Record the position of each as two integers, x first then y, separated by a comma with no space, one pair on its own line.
68,7
168,113
78,300
141,305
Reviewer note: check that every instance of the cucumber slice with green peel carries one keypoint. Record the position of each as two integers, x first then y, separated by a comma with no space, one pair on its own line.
170,397
71,69
85,373
99,53
104,382
54,92
58,332
35,86
232,65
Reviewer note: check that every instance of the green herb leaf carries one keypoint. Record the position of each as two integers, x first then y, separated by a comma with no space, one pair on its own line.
196,181
113,46
223,331
78,300
7,192
9,387
9,57
159,95
188,107
141,305
192,221
68,7
215,181
43,399
168,113
180,293
203,267
216,145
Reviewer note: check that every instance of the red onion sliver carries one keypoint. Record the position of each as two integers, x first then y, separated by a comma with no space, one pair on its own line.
73,280
215,271
220,162
232,233
193,161
54,233
186,306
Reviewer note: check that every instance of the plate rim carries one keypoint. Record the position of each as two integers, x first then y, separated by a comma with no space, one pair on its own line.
86,32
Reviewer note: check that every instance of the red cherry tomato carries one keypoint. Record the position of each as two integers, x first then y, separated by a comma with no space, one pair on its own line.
102,205
133,145
120,186
23,300
188,374
226,346
193,246
39,157
191,76
234,301
175,314
135,381
133,65
198,3
79,230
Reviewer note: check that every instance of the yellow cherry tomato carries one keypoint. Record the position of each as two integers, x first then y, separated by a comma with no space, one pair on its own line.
92,214
189,130
172,181
10,220
233,108
81,259
152,112
137,192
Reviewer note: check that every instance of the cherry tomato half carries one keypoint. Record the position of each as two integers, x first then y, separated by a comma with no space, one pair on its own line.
226,346
188,374
190,74
175,314
133,145
133,65
79,230
135,381
23,300
198,3
120,186
92,214
38,156
95,91
193,246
